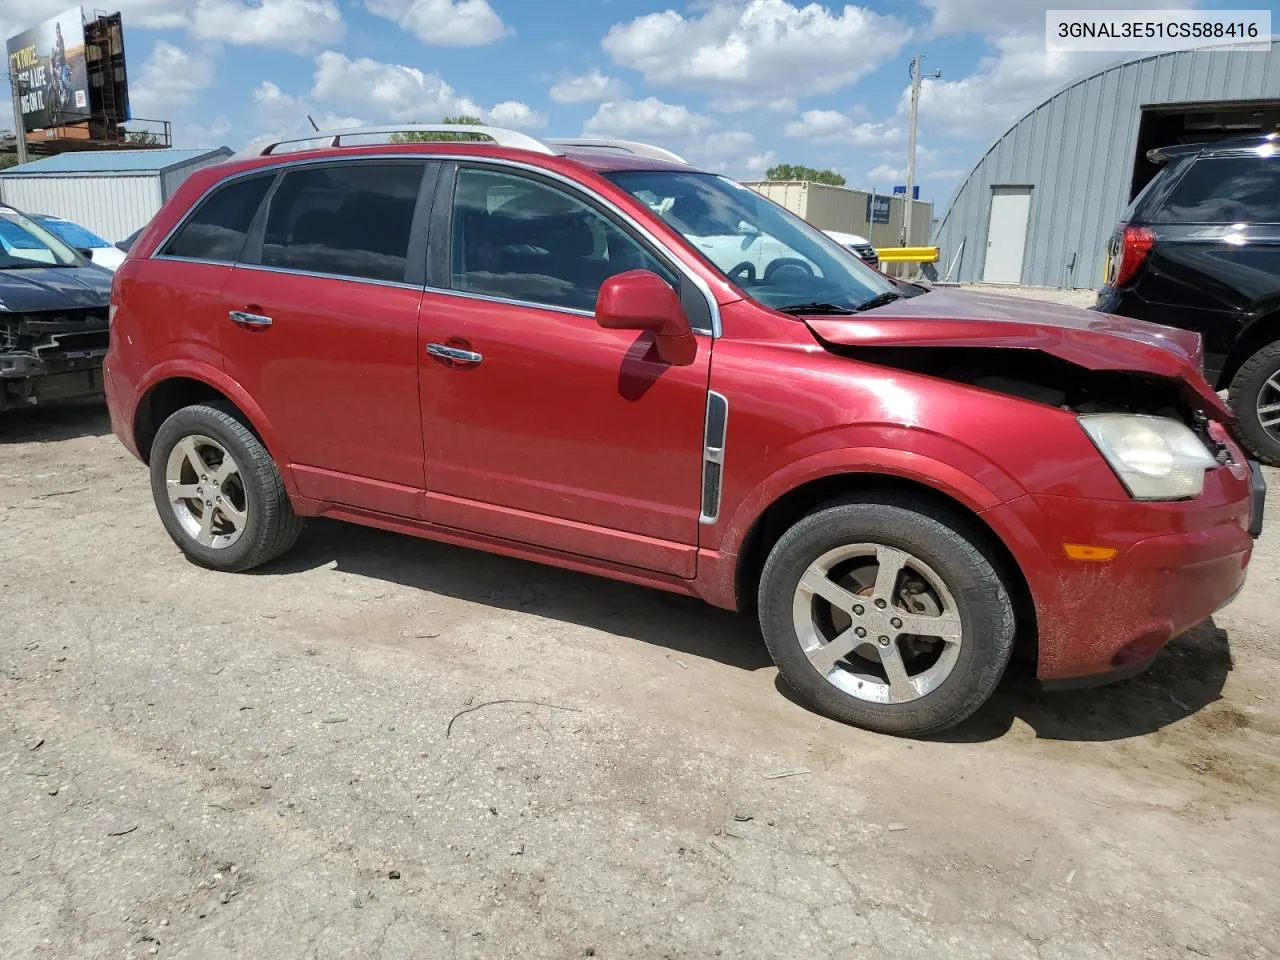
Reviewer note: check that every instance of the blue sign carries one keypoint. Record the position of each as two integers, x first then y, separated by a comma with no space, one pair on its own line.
877,209
901,191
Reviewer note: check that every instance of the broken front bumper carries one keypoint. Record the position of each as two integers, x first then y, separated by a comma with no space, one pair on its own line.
27,380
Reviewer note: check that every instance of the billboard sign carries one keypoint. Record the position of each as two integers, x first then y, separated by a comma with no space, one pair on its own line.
901,191
877,208
47,65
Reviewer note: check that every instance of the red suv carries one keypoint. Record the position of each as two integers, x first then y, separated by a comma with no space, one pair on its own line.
567,351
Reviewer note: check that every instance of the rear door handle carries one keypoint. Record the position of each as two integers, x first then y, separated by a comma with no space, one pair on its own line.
443,351
249,319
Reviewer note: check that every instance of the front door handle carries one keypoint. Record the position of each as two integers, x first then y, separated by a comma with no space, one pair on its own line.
249,319
454,355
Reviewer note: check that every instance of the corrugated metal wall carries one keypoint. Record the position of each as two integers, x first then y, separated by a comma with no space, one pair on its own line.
111,206
845,210
1076,151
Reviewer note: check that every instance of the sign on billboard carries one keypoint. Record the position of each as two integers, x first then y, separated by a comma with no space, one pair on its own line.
877,208
47,64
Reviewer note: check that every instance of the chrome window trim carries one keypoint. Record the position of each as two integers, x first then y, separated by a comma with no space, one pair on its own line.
489,298
716,331
328,276
294,272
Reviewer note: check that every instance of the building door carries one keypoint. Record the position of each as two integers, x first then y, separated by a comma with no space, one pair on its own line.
1007,234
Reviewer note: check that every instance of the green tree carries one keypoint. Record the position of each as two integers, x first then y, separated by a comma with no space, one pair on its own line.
790,171
150,138
8,160
412,137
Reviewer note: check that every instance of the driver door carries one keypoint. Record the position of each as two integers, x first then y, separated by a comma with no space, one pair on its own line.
540,426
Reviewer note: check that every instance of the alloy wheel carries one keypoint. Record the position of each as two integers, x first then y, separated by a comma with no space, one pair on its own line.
206,491
1269,407
877,622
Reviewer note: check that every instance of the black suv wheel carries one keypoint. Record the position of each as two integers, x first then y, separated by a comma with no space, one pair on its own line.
1255,397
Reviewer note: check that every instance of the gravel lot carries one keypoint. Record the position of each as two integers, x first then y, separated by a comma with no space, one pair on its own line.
283,764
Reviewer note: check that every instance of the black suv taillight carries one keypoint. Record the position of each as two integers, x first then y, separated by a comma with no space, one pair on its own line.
1135,244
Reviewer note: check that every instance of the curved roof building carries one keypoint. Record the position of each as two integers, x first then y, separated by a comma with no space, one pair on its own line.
1040,204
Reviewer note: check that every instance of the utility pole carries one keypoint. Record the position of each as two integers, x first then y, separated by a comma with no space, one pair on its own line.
916,80
19,131
911,148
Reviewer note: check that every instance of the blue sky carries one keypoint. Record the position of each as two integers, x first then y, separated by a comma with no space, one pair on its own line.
735,85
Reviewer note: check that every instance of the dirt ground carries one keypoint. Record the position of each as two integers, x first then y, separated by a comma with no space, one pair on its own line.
384,747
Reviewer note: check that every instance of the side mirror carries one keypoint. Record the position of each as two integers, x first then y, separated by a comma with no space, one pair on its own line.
85,252
642,300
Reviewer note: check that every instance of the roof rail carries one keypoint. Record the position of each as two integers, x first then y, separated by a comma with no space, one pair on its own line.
625,146
499,135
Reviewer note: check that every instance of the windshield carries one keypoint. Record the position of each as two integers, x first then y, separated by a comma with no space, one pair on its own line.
25,244
72,233
769,253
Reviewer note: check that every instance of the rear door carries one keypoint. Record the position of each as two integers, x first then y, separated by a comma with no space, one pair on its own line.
320,327
183,282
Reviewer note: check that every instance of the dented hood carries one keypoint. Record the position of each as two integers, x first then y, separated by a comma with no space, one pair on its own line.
955,318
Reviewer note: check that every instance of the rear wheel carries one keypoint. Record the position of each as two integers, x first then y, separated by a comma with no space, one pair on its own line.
218,492
1255,397
886,618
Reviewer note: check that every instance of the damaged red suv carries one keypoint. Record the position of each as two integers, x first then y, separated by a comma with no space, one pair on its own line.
573,352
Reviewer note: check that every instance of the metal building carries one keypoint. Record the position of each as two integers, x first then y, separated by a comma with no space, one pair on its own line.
1040,204
112,192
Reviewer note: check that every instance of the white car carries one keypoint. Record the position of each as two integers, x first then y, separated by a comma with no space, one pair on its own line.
101,252
858,245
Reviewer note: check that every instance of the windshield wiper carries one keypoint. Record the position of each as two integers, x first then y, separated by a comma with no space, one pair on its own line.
820,307
879,301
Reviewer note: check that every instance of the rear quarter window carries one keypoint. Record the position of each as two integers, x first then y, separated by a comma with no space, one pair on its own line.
1225,190
219,226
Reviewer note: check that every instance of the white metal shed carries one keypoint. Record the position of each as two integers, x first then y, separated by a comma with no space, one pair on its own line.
112,192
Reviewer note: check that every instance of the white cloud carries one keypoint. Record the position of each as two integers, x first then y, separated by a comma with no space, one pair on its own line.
277,114
591,87
694,136
755,166
513,113
18,15
170,79
292,25
217,133
998,17
650,117
446,23
767,46
389,91
1017,77
753,104
832,126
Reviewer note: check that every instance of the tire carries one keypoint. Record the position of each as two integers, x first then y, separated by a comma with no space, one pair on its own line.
973,601
1257,383
255,523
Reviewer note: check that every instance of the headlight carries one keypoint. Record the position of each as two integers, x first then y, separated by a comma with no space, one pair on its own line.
1155,458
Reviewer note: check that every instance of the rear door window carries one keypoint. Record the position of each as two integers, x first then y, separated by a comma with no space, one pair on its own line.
1225,190
349,219
218,228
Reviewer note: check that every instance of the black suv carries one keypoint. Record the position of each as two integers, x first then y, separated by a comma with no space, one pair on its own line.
1200,249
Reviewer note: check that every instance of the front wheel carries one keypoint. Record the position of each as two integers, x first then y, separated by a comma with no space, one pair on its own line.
218,492
885,618
1255,398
